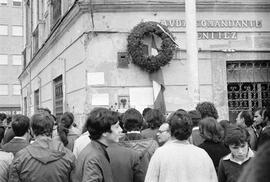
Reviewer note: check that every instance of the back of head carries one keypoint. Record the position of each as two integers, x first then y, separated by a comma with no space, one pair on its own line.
180,125
195,117
99,121
248,118
207,109
236,135
145,110
65,123
20,124
210,129
132,120
42,124
154,118
2,116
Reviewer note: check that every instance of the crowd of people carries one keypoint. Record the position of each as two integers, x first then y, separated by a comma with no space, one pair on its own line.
185,146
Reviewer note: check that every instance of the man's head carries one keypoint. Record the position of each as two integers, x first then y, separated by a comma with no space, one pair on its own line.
154,118
20,125
42,124
237,138
266,116
132,120
102,124
163,134
244,118
195,117
180,125
207,109
258,116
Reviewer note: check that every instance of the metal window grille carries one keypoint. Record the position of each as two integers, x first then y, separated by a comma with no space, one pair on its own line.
58,97
248,85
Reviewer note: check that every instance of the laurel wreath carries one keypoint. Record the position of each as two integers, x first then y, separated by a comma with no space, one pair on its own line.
135,46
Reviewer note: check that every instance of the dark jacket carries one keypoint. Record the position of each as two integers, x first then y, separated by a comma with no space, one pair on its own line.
215,150
72,135
15,145
145,146
92,165
126,164
150,133
42,161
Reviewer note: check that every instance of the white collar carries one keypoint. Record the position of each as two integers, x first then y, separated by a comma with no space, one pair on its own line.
230,157
195,128
16,137
133,132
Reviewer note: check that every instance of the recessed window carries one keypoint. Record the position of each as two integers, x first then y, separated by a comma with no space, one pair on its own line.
16,60
3,89
3,59
17,3
3,30
16,90
17,31
3,2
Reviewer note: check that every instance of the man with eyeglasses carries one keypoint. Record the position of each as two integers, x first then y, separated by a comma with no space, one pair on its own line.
163,134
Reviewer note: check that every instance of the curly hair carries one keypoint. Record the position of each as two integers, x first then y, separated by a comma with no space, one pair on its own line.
207,109
154,118
180,125
65,123
132,120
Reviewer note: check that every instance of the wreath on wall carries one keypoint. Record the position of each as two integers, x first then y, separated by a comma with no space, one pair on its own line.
150,63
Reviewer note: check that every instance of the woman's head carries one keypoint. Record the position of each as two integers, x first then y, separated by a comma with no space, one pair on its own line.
210,129
65,123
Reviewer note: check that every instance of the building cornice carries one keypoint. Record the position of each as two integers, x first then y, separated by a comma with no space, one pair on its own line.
97,6
173,6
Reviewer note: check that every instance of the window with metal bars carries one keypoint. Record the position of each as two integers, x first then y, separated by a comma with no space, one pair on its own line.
58,97
248,85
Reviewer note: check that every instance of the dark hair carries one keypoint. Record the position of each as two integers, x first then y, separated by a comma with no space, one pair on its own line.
207,109
100,121
264,137
236,135
41,109
42,124
260,109
210,129
2,116
180,125
2,132
248,118
195,117
63,126
266,113
145,110
154,118
132,120
20,124
258,169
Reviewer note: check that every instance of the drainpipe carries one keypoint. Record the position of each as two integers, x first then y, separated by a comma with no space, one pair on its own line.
192,52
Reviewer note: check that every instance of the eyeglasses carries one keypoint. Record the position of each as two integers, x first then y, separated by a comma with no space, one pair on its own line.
159,131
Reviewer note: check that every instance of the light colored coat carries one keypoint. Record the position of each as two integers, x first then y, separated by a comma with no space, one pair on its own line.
178,161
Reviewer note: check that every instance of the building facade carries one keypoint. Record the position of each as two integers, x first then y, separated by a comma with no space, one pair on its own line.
76,55
11,46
